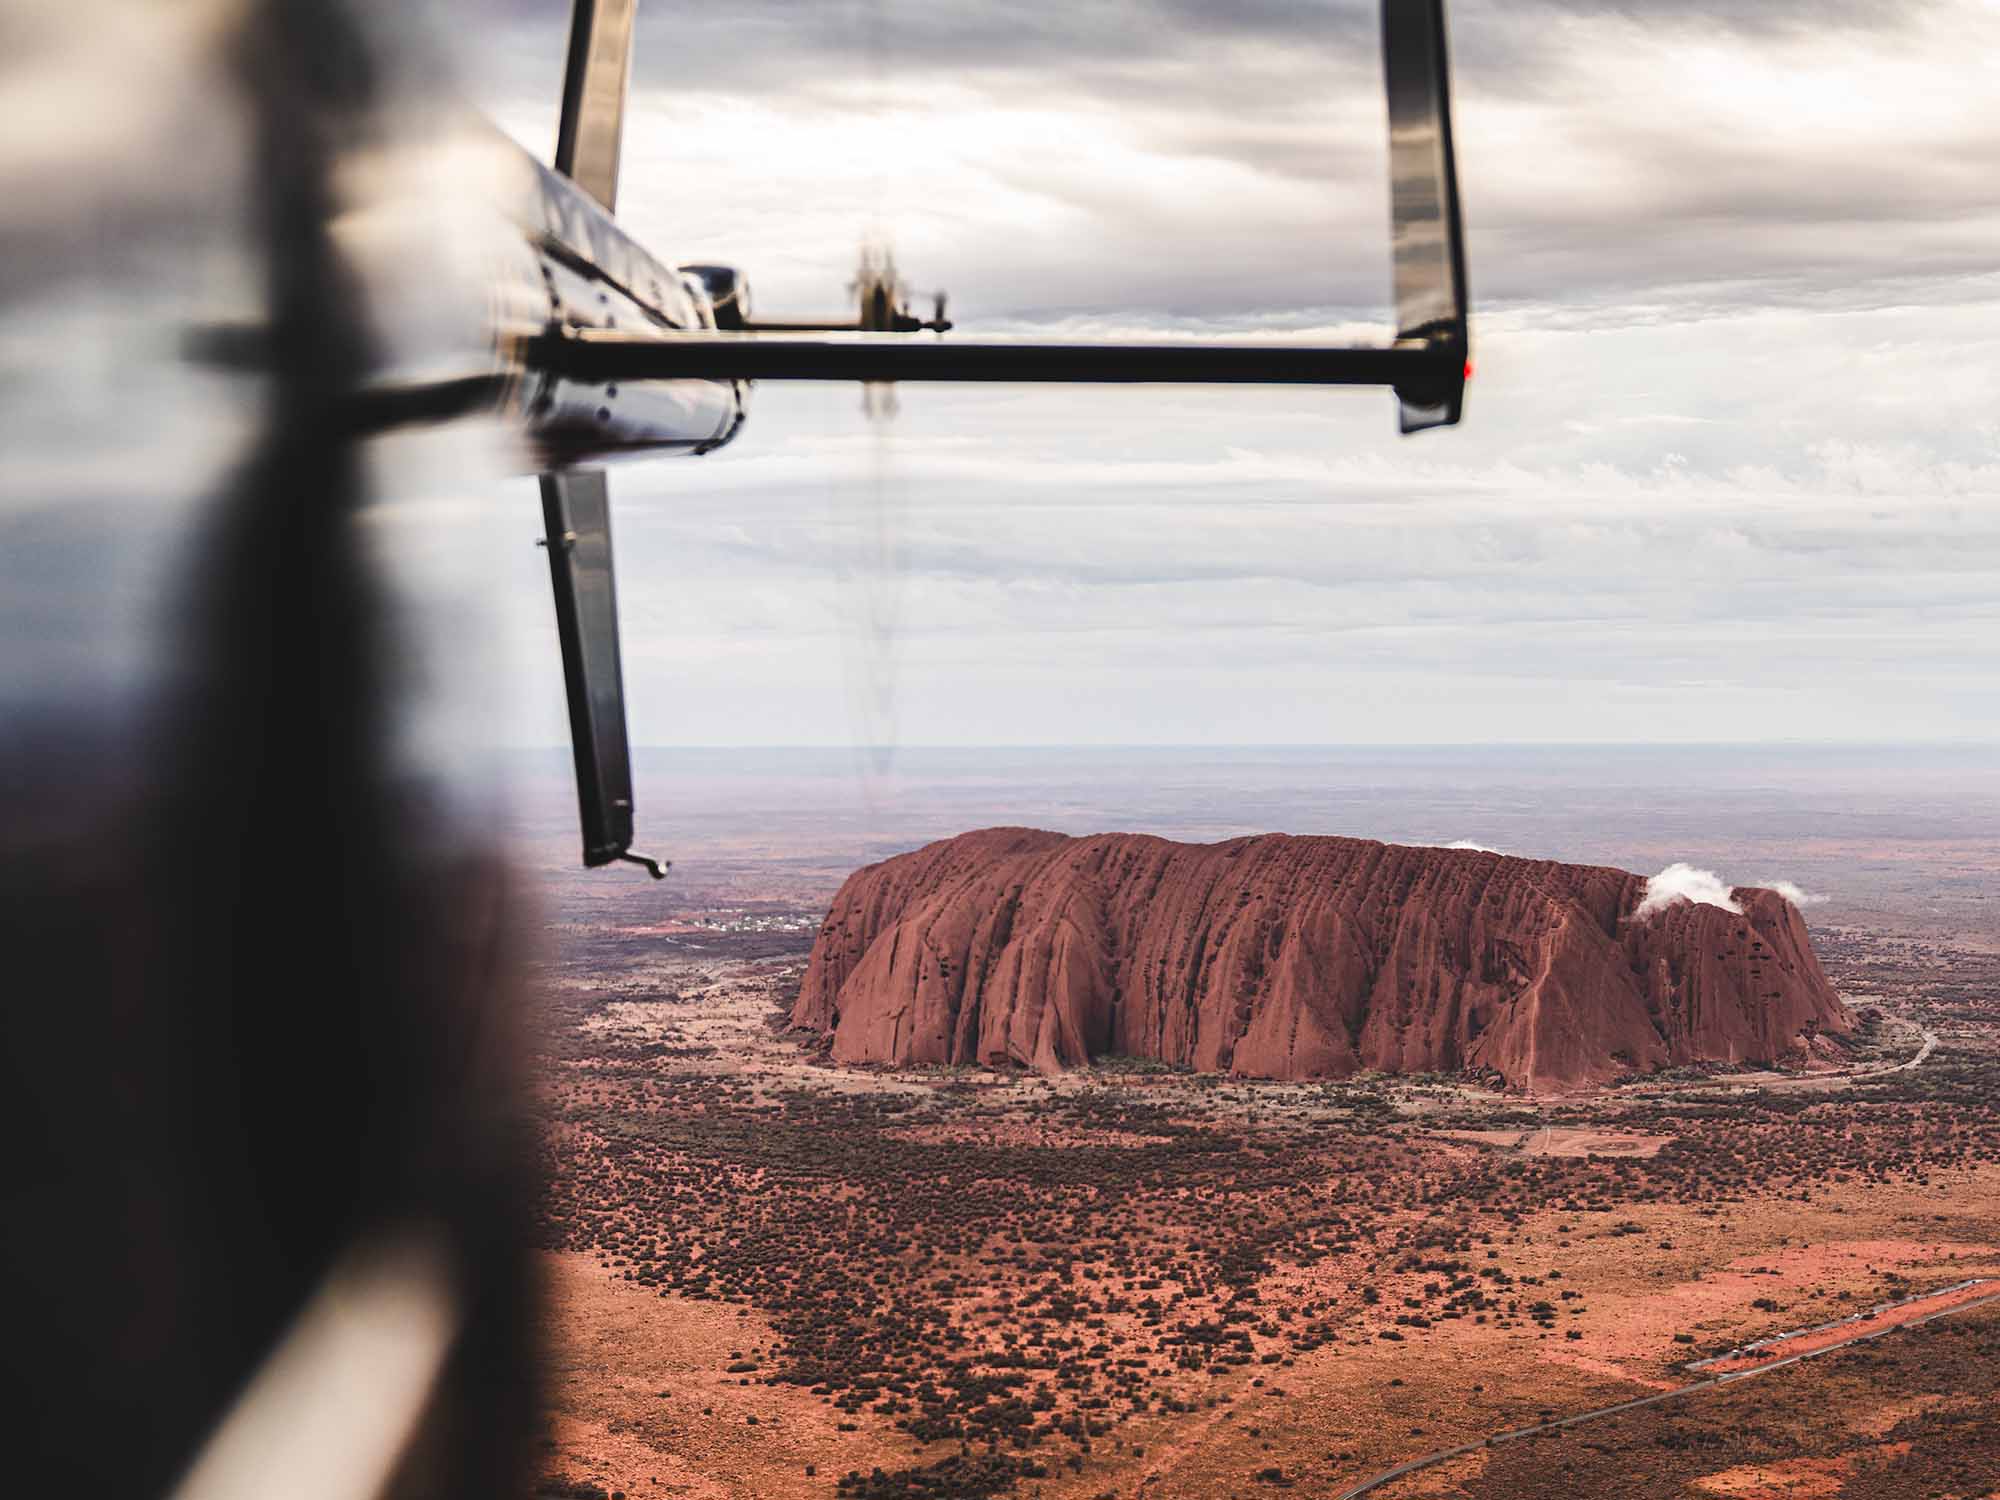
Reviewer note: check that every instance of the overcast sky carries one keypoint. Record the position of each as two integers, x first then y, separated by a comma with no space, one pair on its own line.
1728,469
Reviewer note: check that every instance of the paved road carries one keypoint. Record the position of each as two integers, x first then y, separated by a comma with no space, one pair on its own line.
1431,1460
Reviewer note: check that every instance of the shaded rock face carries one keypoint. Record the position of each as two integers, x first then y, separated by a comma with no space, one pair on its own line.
1283,957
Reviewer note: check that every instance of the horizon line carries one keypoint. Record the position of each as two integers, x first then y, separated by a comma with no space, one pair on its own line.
1968,743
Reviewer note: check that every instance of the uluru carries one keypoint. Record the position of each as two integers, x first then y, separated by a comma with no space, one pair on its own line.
1295,957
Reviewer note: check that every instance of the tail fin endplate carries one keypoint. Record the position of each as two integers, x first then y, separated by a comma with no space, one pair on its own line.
595,82
576,505
1427,244
576,508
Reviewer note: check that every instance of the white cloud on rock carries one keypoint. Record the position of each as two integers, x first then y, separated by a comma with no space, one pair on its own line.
1683,882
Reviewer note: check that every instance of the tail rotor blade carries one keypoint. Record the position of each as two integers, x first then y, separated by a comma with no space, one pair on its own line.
576,509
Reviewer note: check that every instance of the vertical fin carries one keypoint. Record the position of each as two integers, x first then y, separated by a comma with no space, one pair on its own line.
576,509
1427,238
595,82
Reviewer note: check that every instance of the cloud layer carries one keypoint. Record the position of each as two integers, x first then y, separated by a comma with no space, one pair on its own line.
1729,470
1181,158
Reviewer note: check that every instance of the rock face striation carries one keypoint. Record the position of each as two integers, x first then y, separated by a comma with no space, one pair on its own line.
1284,957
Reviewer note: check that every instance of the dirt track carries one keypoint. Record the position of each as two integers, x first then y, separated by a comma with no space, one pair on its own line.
1885,1318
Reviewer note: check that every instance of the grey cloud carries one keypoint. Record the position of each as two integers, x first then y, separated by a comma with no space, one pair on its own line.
1692,478
1595,165
787,45
1750,17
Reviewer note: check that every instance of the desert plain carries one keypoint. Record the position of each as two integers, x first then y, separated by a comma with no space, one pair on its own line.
769,1274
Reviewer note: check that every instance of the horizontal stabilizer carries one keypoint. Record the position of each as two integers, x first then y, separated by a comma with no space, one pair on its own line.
597,355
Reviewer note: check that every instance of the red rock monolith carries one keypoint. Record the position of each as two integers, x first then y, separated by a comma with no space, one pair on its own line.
1295,957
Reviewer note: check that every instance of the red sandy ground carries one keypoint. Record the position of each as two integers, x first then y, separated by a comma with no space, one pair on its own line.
643,1400
1368,1402
644,1403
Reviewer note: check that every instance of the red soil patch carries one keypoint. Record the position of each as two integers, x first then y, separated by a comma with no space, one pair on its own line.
1792,1478
644,1403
